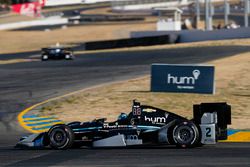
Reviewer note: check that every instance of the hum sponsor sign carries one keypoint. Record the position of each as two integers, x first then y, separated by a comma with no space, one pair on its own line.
182,78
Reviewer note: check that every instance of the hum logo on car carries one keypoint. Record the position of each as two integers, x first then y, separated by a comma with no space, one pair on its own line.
156,119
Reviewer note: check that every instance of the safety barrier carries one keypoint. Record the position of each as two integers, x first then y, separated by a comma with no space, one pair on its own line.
198,35
124,5
131,42
103,18
41,22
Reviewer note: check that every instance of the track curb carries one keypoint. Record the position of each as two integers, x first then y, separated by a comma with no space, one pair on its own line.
21,115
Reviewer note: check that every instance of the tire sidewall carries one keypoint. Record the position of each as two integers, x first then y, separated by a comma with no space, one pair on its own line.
67,133
193,130
45,57
69,57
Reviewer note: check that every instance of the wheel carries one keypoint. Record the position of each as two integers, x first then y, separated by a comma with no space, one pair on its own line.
61,136
69,57
45,57
186,134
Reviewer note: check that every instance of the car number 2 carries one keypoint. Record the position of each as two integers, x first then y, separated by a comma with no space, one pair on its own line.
208,132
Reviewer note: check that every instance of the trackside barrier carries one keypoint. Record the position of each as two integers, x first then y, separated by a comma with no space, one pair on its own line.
48,21
198,35
128,5
99,18
131,42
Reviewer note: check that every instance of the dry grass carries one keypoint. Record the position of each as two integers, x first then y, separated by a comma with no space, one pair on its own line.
12,17
13,42
232,82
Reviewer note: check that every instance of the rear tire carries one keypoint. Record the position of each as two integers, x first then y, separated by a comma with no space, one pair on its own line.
186,134
61,136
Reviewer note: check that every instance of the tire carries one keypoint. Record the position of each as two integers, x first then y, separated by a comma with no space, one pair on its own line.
186,134
69,57
44,57
61,137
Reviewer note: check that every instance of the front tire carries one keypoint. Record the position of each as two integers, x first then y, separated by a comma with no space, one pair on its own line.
186,134
44,57
61,136
69,57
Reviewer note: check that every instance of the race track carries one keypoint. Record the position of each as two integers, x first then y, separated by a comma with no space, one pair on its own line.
24,84
223,154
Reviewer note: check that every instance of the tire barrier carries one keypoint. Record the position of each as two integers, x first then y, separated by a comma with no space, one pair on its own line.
131,42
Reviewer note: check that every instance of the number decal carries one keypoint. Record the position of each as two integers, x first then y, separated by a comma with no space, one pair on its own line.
136,111
208,132
132,137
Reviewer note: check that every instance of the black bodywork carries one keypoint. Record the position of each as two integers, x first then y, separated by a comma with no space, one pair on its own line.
144,121
57,53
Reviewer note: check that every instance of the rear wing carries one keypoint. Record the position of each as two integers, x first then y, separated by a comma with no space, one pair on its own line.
223,116
64,48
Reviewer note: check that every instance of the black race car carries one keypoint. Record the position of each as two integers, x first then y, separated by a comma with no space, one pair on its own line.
57,52
144,125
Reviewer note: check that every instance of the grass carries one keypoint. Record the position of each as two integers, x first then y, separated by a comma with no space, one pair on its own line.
12,17
13,42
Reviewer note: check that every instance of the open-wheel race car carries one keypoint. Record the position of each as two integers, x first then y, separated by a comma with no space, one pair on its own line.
57,52
144,125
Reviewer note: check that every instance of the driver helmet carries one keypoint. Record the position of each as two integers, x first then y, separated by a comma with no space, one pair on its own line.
122,116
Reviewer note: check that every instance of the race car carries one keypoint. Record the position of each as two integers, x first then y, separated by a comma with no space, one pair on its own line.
57,52
144,125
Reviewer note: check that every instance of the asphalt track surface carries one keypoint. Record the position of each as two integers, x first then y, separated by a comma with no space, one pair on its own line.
224,155
24,84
